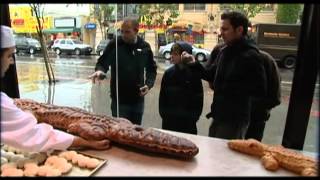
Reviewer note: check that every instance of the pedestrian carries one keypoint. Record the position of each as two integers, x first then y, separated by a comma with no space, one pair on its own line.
19,129
181,93
135,75
237,76
176,37
261,108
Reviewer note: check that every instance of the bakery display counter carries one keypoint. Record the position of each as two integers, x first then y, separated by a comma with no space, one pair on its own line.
215,158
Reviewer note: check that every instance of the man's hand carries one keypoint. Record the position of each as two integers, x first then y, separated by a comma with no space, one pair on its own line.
79,142
187,58
97,76
144,90
99,145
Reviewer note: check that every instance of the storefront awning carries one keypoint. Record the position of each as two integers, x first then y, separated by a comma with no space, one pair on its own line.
184,25
61,30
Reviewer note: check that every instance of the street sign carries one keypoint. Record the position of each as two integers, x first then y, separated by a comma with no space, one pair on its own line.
90,26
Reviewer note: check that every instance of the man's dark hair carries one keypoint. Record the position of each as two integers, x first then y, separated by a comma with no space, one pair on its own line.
176,48
236,19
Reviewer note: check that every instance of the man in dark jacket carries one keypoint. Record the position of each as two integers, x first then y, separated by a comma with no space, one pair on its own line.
237,76
181,93
260,113
135,57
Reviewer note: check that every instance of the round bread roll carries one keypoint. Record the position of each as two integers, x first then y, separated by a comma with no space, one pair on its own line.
82,161
11,149
92,163
76,158
63,154
51,160
12,172
54,172
5,147
68,155
30,163
16,158
8,165
64,167
9,155
59,163
47,170
42,171
21,162
31,170
26,154
4,160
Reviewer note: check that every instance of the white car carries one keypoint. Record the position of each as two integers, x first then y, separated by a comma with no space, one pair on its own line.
199,53
71,46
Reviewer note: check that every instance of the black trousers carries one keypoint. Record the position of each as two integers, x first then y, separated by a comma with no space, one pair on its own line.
133,112
228,129
257,124
231,116
185,125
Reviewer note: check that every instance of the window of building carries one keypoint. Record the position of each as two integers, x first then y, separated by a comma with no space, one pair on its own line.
200,7
268,8
194,7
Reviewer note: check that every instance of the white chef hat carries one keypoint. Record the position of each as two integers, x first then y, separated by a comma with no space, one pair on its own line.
7,39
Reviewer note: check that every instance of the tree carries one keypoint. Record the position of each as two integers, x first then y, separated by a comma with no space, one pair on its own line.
38,10
288,13
155,13
102,13
250,10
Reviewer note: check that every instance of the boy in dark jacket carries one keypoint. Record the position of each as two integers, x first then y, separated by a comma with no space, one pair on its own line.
181,94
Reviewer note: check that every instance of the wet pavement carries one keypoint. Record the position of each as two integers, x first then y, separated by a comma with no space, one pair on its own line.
75,89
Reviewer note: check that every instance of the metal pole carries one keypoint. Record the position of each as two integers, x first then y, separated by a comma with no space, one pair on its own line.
117,87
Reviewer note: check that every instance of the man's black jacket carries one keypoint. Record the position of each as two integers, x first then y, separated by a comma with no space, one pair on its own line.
133,61
238,77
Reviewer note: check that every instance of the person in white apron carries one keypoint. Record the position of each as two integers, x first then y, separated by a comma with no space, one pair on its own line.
19,129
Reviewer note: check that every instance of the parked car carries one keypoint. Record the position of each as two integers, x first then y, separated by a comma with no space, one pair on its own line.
71,46
200,54
101,46
29,45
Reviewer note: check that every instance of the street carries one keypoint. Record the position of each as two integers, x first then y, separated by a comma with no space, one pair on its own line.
75,89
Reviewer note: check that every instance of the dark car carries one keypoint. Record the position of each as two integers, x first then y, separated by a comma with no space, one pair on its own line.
29,45
101,46
279,40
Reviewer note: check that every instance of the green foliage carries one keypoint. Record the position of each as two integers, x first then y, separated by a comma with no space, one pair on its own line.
38,11
155,13
250,10
102,13
288,13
